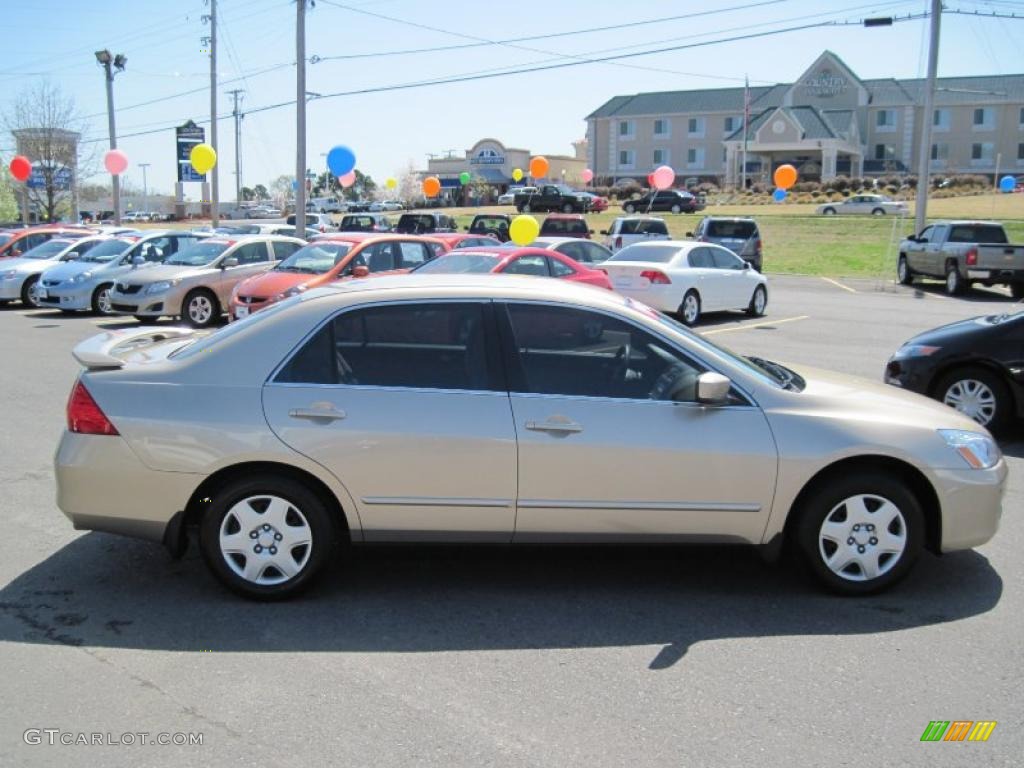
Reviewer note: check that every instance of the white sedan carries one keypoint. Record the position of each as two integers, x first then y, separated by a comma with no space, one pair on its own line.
687,278
865,205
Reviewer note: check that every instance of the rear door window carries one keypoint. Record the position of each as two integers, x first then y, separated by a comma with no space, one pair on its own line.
283,249
724,259
252,253
700,258
413,254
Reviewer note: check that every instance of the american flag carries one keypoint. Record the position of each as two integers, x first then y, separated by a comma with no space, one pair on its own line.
746,105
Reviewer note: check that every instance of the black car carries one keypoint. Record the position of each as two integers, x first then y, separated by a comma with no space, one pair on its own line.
674,200
493,224
425,223
976,366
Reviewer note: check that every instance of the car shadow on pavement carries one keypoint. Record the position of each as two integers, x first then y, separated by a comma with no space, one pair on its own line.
105,591
980,294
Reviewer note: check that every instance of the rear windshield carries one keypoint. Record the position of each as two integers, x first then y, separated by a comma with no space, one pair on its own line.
315,258
564,226
977,233
643,226
107,251
416,223
358,223
731,229
463,262
198,255
647,252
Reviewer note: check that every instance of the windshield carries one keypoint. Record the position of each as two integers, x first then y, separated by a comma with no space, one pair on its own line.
198,255
662,254
315,259
463,262
107,251
47,250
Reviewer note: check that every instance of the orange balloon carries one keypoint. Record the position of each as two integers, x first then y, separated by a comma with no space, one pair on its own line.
785,176
431,186
539,167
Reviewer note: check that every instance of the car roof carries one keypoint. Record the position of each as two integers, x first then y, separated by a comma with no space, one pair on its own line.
681,244
732,218
567,216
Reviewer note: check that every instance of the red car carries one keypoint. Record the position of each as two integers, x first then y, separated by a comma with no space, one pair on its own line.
26,239
515,261
565,225
598,204
347,254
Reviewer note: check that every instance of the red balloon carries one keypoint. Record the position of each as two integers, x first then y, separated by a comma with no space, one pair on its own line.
21,168
650,179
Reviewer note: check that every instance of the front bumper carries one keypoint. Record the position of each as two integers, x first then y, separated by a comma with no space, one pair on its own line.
971,501
10,287
68,296
910,373
166,304
240,307
103,486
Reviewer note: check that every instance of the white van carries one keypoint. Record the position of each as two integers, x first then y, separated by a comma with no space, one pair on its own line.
325,205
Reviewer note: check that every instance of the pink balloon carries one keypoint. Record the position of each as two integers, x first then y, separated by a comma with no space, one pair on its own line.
588,175
663,177
115,161
348,179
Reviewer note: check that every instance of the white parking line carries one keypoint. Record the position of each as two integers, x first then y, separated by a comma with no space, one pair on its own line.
838,284
762,324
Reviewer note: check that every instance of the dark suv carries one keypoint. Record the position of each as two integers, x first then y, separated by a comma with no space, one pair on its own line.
425,223
674,200
741,236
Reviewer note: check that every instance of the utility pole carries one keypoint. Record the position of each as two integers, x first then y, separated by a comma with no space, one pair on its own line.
145,188
300,118
214,184
925,150
105,60
238,144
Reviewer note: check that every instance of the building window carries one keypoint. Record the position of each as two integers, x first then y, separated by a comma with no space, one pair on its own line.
982,154
940,155
1020,153
885,120
695,126
660,157
695,157
625,129
984,119
940,119
733,124
661,127
1020,118
880,151
626,158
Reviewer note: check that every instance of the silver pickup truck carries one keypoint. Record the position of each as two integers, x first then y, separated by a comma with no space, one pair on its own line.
961,253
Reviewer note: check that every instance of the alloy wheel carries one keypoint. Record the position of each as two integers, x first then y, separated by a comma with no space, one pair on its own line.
691,308
200,309
265,540
863,537
972,398
103,303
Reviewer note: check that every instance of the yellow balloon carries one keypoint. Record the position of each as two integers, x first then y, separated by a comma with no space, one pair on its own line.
391,183
523,230
203,157
517,174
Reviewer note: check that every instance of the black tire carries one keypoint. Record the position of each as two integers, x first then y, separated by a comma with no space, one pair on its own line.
26,292
903,272
146,320
629,208
878,212
1003,416
1017,290
526,208
310,509
676,208
567,208
955,283
826,501
689,314
752,308
829,212
194,306
99,306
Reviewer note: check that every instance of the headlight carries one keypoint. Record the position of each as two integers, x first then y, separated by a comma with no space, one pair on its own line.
915,350
81,277
160,287
294,291
978,450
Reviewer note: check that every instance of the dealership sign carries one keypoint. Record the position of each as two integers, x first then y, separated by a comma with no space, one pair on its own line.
825,84
187,136
61,178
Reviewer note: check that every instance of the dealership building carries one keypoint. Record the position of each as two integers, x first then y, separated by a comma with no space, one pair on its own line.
828,123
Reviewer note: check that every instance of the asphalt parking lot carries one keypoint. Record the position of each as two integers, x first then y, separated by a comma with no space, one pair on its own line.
542,656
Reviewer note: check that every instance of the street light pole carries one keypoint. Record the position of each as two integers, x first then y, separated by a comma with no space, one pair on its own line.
924,153
300,118
145,188
105,60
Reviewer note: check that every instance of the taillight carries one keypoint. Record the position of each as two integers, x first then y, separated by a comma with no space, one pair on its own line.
656,277
972,257
618,241
84,416
758,246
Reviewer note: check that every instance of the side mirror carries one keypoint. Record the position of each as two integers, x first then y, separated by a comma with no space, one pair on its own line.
713,388
137,260
230,261
361,271
72,256
746,264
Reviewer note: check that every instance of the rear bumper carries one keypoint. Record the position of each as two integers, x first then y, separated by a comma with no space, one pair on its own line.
986,275
972,505
103,486
664,298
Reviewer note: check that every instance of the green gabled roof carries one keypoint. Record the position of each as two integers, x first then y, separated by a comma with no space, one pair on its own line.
674,102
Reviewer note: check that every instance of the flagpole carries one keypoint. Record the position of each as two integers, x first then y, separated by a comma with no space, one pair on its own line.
746,122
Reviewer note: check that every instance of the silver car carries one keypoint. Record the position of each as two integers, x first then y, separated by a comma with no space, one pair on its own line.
19,277
85,283
504,409
196,283
864,205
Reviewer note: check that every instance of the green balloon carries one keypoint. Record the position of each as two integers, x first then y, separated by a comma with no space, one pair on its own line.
464,177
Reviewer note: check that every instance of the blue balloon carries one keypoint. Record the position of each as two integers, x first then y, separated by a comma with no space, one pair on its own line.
341,160
295,184
1007,184
779,195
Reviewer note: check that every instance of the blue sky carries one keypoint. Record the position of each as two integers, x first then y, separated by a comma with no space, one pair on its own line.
540,111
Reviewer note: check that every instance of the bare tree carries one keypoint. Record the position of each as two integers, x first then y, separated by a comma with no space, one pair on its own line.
46,129
410,183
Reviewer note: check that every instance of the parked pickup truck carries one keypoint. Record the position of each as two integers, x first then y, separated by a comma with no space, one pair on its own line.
961,253
552,197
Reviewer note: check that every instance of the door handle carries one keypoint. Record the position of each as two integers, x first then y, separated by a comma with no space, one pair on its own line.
316,414
554,426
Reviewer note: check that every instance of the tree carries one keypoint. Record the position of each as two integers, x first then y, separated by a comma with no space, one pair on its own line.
410,184
364,188
281,190
8,205
248,194
46,128
261,192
